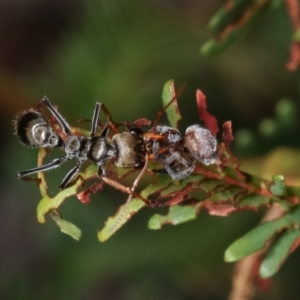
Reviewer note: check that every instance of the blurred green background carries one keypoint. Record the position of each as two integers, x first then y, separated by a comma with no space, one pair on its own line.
121,53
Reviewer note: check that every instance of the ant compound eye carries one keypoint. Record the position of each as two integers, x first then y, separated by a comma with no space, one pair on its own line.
26,125
201,143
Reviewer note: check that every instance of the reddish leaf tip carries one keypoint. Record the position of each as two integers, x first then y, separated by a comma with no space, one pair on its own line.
227,135
85,196
209,120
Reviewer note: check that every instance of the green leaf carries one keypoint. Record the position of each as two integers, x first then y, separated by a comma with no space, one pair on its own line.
255,239
48,203
176,186
278,186
286,112
162,181
254,200
172,111
177,214
209,185
228,14
125,212
227,38
65,226
229,193
278,253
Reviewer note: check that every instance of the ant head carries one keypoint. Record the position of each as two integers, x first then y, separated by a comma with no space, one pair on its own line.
33,130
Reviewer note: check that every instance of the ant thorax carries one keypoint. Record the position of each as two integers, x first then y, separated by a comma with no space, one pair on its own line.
98,149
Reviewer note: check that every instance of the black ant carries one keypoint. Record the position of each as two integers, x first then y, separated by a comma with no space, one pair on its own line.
131,148
127,148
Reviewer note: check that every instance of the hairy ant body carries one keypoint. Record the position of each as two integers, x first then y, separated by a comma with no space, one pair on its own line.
179,153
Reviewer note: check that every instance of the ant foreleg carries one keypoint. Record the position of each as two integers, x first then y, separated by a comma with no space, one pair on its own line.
95,122
61,121
95,118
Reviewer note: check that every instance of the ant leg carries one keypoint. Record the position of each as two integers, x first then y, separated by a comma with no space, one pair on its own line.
49,166
72,173
104,131
95,118
137,180
124,189
178,167
155,149
112,123
178,175
61,121
95,122
135,183
159,114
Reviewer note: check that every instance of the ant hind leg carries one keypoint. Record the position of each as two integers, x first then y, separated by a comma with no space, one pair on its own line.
46,167
72,173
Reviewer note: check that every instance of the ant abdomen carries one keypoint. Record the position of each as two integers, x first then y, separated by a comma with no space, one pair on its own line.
130,149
